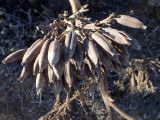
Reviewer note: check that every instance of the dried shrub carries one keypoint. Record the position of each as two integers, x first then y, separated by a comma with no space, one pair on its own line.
74,47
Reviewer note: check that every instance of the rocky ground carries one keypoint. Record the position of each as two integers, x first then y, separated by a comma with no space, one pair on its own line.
18,21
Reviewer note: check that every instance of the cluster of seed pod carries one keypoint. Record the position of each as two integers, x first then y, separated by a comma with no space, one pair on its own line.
140,76
77,45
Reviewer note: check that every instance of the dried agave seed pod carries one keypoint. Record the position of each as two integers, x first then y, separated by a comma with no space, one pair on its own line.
86,71
32,51
115,36
68,73
100,39
130,22
78,56
40,83
117,67
51,75
43,61
36,66
134,43
31,47
124,55
125,35
92,52
141,75
26,71
57,87
132,82
91,67
59,69
124,60
70,45
15,56
54,52
106,61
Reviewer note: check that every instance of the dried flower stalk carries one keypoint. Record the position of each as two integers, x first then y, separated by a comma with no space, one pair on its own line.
76,47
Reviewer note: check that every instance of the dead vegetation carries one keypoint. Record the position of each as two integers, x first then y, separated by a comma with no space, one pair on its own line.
77,48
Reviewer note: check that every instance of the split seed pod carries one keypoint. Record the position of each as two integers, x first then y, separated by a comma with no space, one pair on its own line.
15,56
36,66
40,83
91,67
54,52
68,74
32,51
100,39
78,56
26,71
58,69
51,75
134,43
92,52
57,86
43,61
115,36
70,45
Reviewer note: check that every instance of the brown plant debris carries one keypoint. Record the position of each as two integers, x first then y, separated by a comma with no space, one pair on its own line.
76,47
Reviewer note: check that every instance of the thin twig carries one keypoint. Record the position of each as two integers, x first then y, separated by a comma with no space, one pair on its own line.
109,103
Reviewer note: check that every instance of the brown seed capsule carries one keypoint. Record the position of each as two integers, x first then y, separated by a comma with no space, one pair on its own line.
57,87
92,52
17,55
134,43
127,36
130,22
91,67
100,39
40,83
54,52
78,56
51,75
58,69
106,61
36,66
26,71
132,82
68,74
70,45
115,36
43,61
32,51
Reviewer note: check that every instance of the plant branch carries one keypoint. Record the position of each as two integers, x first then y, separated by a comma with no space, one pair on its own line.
108,102
75,5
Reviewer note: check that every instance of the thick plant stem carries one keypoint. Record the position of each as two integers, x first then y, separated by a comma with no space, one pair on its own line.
75,5
109,103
